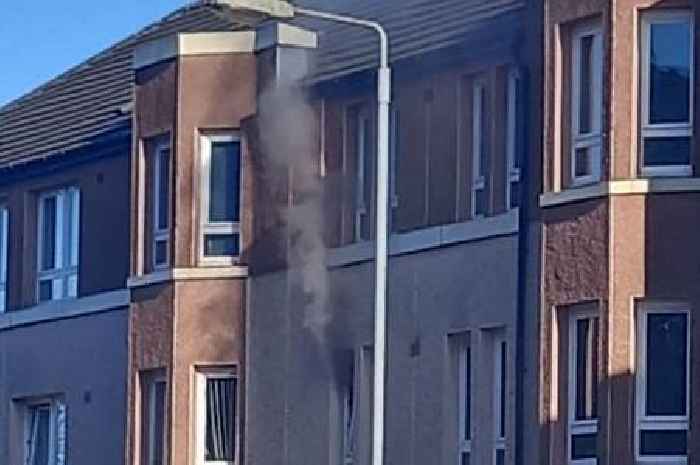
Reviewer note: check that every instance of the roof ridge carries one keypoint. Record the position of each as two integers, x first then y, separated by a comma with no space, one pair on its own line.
91,60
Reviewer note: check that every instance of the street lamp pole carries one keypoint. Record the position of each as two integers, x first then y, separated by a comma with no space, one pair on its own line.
283,9
382,239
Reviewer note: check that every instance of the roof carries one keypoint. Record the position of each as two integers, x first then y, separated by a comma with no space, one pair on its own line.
94,98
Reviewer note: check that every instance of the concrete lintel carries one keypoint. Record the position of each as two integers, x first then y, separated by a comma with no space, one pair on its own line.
276,34
421,240
66,308
623,187
188,274
193,43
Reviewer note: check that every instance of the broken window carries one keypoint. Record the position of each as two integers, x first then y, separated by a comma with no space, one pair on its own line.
217,416
45,433
58,245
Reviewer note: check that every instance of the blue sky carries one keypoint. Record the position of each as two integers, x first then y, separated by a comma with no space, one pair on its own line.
40,39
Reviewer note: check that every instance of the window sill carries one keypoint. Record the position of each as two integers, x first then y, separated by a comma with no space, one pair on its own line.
615,188
429,238
187,274
65,308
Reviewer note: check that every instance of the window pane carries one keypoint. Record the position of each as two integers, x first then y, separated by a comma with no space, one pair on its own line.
349,413
163,188
39,436
500,457
582,164
161,252
666,364
158,423
667,151
221,414
221,245
664,442
468,394
585,84
224,182
502,389
669,73
583,446
48,245
465,458
481,202
514,194
45,290
586,368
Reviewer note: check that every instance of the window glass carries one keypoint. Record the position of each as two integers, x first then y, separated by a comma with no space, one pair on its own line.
4,248
163,188
349,414
586,368
664,443
669,73
584,446
586,84
218,245
467,393
666,364
220,419
39,435
157,447
48,245
666,151
224,182
502,391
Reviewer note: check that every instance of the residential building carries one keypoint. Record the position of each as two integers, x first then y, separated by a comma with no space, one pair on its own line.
618,255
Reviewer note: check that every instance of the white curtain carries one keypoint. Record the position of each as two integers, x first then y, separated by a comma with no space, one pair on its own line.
220,419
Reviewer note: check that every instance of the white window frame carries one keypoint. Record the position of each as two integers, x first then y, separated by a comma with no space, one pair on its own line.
161,234
665,423
201,377
591,142
64,275
578,427
4,249
465,445
668,130
218,228
361,204
56,444
513,119
499,441
478,182
151,459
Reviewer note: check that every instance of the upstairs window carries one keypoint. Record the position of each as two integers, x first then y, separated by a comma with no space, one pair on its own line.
217,417
663,385
667,93
583,388
515,137
4,248
161,207
586,108
360,144
221,181
58,244
480,152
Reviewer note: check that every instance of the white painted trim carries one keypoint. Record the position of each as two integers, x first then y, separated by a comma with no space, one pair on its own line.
70,308
615,188
192,43
276,34
187,274
421,240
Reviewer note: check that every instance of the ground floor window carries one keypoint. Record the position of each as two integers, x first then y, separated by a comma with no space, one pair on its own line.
45,432
217,416
663,384
500,398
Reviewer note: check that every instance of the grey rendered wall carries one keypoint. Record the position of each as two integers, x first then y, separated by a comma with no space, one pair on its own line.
84,361
293,350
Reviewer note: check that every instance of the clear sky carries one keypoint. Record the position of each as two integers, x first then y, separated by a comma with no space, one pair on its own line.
40,39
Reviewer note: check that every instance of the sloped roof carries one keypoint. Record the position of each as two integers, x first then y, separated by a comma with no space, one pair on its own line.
94,98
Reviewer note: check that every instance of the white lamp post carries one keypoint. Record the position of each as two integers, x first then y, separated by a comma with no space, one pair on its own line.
283,9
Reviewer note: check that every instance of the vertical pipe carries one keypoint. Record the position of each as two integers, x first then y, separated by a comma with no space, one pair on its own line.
384,98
